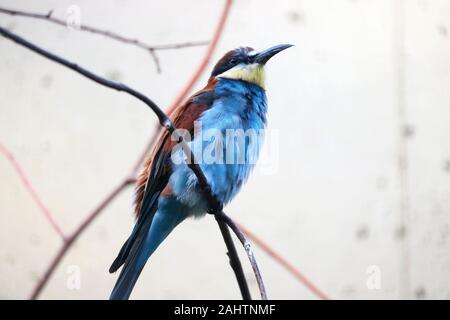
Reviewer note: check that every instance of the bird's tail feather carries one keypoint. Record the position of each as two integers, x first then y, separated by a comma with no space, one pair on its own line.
143,222
152,233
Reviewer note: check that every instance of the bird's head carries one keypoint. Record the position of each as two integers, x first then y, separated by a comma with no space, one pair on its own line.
246,64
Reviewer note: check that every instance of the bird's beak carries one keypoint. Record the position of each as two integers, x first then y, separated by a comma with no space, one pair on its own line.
264,56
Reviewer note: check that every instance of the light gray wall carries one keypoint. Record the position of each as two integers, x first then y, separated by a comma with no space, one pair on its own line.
361,105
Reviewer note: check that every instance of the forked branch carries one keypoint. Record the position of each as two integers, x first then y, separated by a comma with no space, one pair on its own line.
106,33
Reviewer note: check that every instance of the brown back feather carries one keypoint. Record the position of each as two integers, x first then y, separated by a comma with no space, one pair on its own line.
183,117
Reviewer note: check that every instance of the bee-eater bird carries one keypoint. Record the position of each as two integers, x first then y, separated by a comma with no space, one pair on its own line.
167,190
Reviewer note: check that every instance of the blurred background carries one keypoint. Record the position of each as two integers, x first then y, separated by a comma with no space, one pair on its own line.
359,199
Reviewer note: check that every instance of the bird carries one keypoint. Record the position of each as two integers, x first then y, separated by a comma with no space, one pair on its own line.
232,105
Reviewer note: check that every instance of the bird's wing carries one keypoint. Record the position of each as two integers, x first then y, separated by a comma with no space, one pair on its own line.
157,166
157,170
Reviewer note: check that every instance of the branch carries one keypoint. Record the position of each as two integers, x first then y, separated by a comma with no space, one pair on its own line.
106,33
221,216
164,121
234,260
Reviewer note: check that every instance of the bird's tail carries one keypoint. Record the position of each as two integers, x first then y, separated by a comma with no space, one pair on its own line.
146,242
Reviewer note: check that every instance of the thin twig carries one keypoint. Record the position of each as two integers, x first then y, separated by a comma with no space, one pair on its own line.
26,182
163,119
248,249
235,262
151,49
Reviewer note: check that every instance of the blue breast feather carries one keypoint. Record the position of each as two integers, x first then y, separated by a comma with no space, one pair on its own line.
237,105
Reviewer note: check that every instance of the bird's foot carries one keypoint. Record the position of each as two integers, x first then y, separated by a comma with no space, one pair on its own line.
216,207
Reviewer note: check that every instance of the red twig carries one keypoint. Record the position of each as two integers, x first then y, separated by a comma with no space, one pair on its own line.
284,262
26,182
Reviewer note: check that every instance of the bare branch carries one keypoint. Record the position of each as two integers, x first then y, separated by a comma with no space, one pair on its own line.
151,49
163,119
221,216
235,262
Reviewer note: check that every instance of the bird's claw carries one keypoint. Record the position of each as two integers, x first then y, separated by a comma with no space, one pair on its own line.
206,189
216,207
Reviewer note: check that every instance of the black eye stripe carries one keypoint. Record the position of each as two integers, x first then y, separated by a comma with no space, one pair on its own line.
231,59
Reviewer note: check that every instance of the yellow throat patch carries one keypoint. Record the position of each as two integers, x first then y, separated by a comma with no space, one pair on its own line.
253,73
